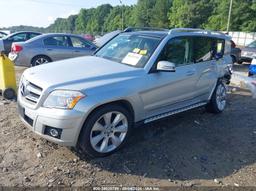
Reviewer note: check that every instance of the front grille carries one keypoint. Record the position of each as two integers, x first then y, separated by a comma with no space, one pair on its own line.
30,92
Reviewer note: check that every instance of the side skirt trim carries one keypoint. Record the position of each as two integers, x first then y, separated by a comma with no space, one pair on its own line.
154,118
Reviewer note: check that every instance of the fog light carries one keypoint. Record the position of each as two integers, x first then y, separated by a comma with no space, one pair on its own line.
53,132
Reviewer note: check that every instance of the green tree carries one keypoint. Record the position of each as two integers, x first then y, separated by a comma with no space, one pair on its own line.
190,13
242,17
160,14
144,12
82,20
114,19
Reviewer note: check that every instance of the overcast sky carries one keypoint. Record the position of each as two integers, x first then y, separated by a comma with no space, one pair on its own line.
41,13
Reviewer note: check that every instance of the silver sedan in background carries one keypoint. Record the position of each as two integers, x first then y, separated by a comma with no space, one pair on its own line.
50,47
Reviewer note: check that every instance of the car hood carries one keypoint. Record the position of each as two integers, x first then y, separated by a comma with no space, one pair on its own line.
80,73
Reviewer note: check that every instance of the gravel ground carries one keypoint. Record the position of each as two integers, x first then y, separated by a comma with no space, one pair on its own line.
194,148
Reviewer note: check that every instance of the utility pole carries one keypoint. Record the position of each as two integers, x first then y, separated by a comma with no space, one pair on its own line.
229,14
122,13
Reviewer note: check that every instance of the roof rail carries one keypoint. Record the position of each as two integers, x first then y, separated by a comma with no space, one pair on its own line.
178,30
134,29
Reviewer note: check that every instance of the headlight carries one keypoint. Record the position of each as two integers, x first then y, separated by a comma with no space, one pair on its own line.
63,99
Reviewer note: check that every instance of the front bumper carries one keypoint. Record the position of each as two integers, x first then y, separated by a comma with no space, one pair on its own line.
69,121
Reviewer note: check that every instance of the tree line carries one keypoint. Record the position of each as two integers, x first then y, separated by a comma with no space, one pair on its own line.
209,14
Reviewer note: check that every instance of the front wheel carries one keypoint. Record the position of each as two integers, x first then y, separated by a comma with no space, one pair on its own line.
105,131
218,100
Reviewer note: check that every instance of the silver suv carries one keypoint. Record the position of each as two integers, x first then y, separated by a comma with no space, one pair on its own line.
92,103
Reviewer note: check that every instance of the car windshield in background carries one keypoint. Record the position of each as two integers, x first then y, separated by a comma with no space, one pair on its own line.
252,45
134,50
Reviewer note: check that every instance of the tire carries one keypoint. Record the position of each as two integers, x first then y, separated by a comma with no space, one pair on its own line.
218,100
9,93
96,140
38,60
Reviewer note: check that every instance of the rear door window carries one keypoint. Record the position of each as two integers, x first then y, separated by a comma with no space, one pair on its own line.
203,49
59,41
79,43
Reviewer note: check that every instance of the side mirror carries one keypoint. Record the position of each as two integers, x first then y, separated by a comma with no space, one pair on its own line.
166,66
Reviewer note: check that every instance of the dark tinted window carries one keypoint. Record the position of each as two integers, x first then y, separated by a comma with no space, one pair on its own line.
178,51
19,37
32,35
61,41
252,45
203,49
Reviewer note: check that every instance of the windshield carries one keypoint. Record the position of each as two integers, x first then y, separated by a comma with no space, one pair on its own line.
133,50
252,45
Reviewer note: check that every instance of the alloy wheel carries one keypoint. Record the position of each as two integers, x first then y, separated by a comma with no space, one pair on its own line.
40,61
221,97
108,132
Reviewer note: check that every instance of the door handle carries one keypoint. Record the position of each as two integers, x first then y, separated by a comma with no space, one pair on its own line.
190,73
77,50
49,49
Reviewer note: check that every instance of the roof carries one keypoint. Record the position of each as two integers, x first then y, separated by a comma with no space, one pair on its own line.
161,33
158,34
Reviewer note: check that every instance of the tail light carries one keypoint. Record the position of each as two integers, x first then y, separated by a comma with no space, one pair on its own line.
16,48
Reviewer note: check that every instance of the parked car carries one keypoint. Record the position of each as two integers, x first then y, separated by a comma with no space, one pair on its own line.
100,41
248,52
235,53
2,34
6,42
252,68
50,47
93,102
